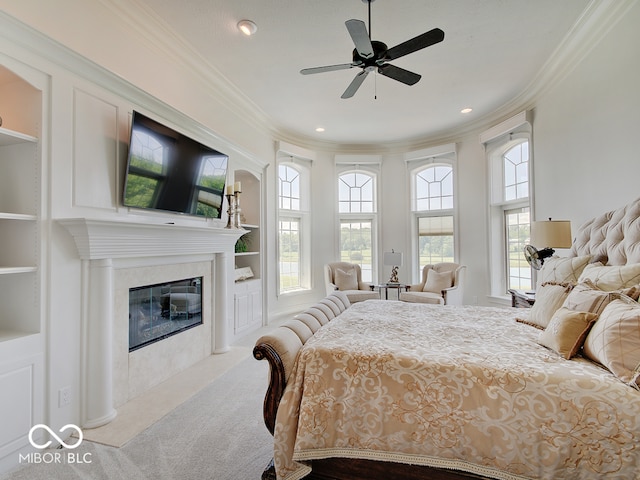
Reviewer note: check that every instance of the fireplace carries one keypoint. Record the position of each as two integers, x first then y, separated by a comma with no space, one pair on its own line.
159,311
118,255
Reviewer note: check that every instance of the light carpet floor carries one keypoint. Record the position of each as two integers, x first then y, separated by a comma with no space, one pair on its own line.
217,434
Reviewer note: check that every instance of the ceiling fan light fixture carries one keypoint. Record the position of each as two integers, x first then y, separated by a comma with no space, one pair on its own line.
247,27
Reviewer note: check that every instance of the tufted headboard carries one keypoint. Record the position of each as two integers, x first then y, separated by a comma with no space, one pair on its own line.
613,237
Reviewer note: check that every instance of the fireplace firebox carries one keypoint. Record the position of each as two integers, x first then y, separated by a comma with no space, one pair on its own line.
162,310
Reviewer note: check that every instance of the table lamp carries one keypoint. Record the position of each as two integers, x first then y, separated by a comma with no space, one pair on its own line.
394,260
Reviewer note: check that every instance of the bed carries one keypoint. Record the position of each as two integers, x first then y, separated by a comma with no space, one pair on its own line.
385,389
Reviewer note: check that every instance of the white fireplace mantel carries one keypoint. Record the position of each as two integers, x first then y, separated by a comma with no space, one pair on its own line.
99,242
100,239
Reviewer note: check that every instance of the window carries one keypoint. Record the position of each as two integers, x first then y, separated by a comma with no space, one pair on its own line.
515,188
510,212
289,252
516,172
357,207
292,249
355,193
433,212
517,226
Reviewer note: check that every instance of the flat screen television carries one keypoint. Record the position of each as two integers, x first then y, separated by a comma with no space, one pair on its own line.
169,171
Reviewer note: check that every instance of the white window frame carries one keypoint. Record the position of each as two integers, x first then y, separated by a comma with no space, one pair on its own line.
360,216
302,216
416,167
495,151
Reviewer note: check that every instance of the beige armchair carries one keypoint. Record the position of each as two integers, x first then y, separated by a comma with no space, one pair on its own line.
442,283
347,277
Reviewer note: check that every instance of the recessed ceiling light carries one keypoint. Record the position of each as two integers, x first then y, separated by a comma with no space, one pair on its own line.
320,129
247,27
466,110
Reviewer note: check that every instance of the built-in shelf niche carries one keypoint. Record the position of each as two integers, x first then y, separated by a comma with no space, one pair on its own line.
20,194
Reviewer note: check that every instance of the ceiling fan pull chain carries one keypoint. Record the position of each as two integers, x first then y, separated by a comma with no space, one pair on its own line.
375,86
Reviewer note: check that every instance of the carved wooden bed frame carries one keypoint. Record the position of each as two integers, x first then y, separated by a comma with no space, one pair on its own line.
613,238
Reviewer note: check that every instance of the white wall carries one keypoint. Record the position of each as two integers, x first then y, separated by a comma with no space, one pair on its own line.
585,131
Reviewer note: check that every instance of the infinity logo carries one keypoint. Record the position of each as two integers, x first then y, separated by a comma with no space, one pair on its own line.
53,434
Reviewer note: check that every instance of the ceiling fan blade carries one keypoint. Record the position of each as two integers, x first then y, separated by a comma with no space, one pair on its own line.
328,68
358,31
399,74
355,84
413,45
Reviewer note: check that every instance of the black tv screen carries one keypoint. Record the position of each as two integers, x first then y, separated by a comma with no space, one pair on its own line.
169,171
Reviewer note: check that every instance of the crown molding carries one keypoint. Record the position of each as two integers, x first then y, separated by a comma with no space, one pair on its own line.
159,36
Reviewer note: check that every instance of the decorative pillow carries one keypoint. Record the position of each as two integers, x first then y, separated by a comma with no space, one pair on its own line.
612,277
566,331
549,298
586,297
436,281
562,269
346,280
614,340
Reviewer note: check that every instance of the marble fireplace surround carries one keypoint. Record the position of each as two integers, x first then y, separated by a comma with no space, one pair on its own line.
133,252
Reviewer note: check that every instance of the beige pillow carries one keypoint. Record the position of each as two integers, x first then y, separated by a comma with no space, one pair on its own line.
566,331
346,280
614,341
562,269
612,277
549,298
436,281
586,297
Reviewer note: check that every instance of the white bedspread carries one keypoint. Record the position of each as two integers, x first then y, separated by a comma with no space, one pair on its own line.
457,387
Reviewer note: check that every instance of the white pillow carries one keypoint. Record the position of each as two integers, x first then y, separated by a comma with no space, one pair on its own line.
614,340
549,298
562,269
346,280
612,277
436,281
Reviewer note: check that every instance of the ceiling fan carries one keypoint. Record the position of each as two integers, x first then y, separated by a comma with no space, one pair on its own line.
371,55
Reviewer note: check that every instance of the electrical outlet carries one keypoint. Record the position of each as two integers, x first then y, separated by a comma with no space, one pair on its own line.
64,396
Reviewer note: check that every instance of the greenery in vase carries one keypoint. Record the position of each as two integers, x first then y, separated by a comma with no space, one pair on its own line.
242,245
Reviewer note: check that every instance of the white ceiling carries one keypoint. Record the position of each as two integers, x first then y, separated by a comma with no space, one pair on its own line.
493,54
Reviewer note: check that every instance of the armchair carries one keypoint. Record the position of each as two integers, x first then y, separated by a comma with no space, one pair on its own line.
347,277
442,283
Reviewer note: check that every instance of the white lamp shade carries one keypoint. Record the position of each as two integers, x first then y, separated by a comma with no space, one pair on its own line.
393,259
551,234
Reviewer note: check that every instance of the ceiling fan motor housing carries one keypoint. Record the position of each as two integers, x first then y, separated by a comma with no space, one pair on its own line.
379,50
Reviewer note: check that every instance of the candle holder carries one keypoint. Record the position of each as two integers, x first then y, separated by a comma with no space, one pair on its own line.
237,210
230,210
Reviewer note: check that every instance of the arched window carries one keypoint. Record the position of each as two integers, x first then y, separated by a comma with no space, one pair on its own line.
434,188
515,188
509,161
516,172
433,209
357,209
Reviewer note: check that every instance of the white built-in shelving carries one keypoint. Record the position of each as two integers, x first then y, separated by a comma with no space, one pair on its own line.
22,324
248,293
